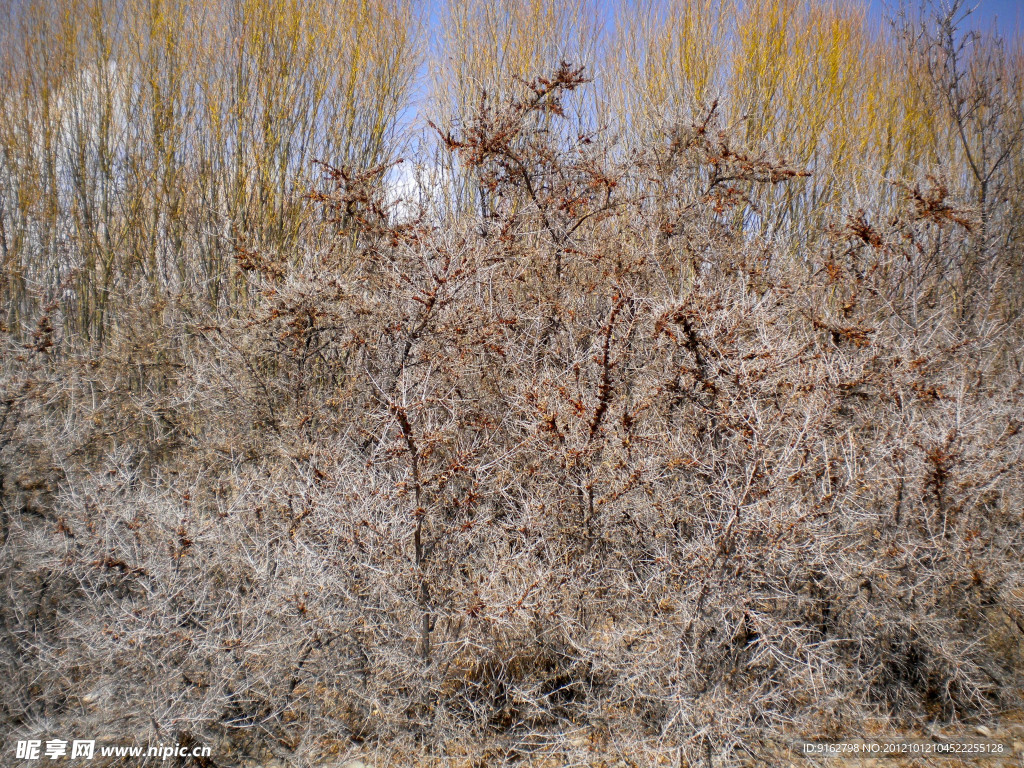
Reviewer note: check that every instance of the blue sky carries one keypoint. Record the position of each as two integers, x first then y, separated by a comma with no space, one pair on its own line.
1010,13
1007,14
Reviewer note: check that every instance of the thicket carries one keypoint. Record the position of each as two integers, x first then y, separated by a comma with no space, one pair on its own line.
669,404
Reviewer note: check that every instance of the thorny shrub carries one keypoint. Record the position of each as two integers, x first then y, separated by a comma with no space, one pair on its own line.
586,466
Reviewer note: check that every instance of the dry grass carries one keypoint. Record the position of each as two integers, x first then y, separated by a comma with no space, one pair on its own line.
665,448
